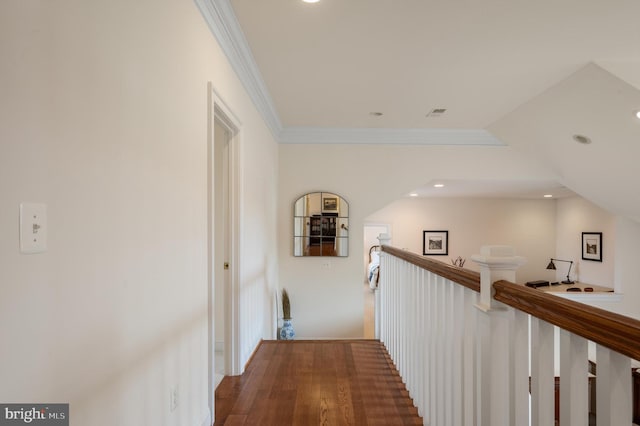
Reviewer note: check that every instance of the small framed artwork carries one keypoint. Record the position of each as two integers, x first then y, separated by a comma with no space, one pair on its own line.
592,246
435,243
330,204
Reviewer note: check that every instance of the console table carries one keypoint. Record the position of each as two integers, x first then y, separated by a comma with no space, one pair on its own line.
584,288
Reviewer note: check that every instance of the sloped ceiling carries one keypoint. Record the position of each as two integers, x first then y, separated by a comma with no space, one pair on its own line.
599,106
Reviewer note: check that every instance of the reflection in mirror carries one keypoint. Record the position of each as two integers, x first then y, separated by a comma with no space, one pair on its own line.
321,225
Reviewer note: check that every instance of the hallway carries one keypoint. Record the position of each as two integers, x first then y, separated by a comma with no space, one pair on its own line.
341,382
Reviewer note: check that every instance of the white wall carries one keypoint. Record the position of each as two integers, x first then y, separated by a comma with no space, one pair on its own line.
627,268
526,225
620,265
575,216
103,117
329,302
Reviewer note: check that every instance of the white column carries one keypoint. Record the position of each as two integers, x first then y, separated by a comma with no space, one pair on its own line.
494,340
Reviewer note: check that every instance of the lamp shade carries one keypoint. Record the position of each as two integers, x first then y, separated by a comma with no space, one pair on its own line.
552,266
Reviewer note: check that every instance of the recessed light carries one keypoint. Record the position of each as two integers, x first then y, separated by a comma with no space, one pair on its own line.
413,194
311,1
439,185
582,139
637,114
548,196
375,113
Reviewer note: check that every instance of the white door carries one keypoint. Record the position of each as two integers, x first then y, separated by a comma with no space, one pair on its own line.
223,231
221,244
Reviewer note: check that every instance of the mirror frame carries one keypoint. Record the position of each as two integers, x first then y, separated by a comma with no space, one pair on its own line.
321,225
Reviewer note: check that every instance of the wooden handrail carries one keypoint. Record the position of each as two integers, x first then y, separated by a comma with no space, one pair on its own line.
615,331
465,277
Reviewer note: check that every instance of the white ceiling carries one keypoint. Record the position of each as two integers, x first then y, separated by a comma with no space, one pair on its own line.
331,63
317,71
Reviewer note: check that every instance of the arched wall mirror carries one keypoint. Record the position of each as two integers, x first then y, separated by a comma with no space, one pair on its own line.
321,225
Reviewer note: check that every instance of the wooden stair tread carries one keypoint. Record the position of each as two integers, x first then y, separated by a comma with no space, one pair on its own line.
341,382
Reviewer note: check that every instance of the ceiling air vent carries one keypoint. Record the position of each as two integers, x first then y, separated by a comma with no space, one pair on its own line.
436,112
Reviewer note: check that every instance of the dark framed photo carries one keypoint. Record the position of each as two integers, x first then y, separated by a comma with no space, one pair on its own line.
330,203
435,243
592,246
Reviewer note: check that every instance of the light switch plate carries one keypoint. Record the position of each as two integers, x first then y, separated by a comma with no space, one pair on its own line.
33,228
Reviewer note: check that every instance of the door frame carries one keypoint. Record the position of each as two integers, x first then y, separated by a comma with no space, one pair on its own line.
218,111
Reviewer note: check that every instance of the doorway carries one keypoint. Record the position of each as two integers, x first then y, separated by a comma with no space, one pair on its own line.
371,232
223,264
221,243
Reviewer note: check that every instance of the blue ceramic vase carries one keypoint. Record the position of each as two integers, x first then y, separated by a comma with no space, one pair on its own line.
286,332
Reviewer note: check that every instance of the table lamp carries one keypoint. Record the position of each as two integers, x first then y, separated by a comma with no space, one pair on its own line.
552,266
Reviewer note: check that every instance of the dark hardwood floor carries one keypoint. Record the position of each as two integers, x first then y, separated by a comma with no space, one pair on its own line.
338,382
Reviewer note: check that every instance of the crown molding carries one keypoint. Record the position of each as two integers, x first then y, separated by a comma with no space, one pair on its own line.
224,25
311,135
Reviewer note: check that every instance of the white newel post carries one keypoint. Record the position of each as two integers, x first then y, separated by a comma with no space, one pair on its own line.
383,239
502,398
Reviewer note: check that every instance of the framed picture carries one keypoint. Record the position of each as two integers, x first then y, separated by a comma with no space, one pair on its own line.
592,246
330,204
435,243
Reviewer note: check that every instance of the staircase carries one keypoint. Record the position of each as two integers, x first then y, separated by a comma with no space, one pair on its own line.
342,382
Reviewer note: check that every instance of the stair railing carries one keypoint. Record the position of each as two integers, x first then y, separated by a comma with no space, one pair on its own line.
477,349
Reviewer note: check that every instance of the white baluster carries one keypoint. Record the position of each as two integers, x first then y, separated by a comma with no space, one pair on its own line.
433,344
613,387
519,387
416,330
440,419
542,373
457,389
419,372
469,350
449,366
574,391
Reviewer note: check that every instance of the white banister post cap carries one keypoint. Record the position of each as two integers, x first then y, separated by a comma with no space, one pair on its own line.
496,263
498,257
384,238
